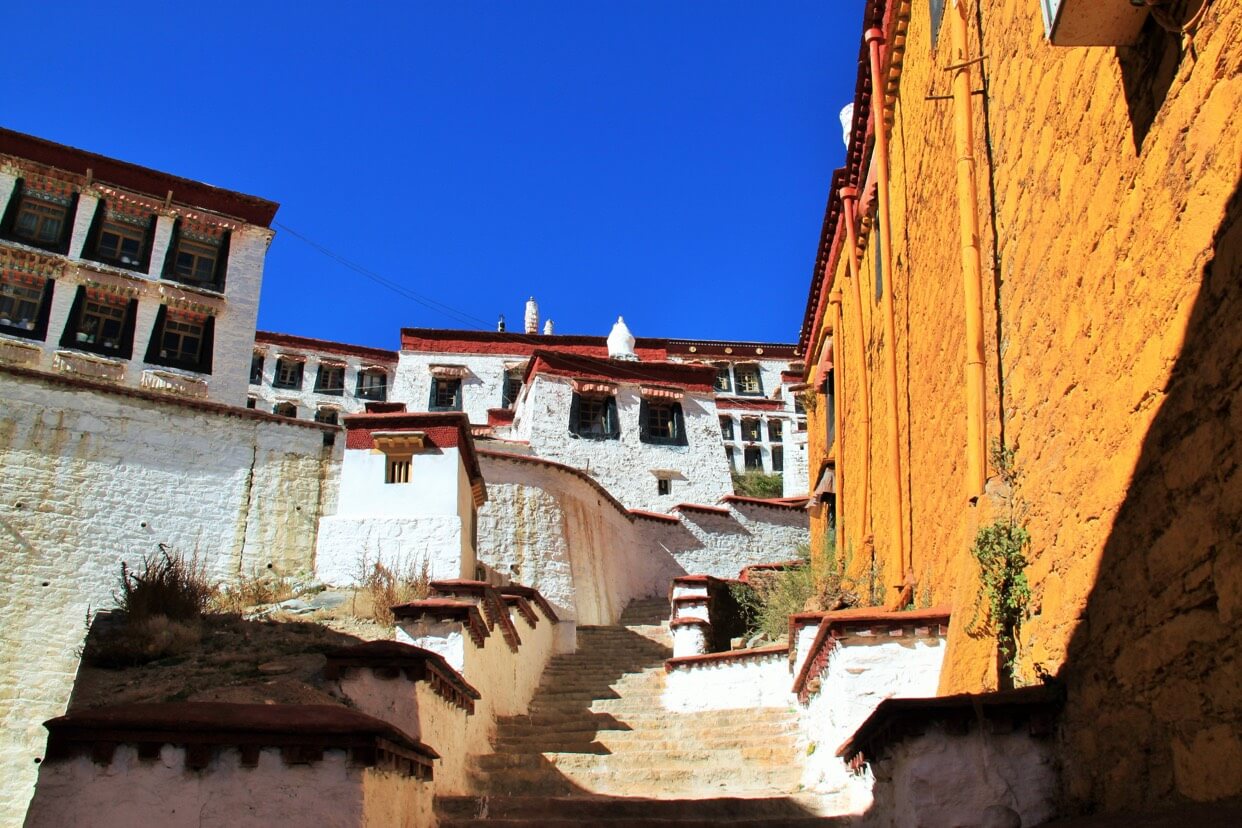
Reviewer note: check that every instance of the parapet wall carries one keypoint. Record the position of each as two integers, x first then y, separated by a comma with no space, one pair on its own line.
93,476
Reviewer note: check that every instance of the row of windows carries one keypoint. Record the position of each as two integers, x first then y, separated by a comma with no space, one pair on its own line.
752,458
446,393
116,237
745,377
372,383
595,418
752,429
324,414
103,323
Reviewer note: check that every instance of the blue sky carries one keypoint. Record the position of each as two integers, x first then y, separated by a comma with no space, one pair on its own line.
668,161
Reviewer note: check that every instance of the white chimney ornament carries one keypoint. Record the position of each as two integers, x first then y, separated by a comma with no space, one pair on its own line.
621,342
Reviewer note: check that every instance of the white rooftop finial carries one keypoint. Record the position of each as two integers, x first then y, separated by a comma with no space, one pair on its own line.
532,316
847,123
621,342
547,328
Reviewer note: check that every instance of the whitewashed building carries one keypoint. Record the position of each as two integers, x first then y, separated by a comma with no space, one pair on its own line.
116,273
305,378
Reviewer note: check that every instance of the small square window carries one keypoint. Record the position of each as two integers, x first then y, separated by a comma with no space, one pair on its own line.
285,409
729,457
778,459
40,222
181,341
723,380
256,369
751,429
775,431
329,416
251,402
121,243
664,486
513,387
373,385
594,417
753,459
445,394
288,374
748,381
101,323
330,379
661,423
397,470
195,262
22,299
726,428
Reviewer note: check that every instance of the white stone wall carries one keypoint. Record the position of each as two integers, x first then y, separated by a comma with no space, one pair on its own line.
307,400
954,779
759,680
628,467
481,390
131,792
235,311
722,545
91,479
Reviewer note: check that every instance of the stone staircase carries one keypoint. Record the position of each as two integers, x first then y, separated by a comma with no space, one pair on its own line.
598,747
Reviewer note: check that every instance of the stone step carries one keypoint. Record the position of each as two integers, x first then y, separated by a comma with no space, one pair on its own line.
721,719
740,761
625,740
676,781
716,809
642,822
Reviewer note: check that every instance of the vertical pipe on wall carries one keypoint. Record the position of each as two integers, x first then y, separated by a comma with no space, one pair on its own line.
875,39
972,271
849,203
838,438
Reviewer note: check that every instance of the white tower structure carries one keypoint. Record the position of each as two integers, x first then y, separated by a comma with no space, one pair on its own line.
621,342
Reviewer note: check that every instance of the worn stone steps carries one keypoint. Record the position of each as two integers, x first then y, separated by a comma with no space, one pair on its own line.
591,740
636,757
672,781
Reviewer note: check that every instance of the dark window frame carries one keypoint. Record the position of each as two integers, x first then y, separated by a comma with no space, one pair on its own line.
609,423
291,385
737,379
375,393
124,347
43,310
776,431
724,377
750,435
157,353
327,415
93,249
257,361
676,424
778,460
510,391
322,373
434,401
220,268
9,222
664,486
726,428
276,409
752,452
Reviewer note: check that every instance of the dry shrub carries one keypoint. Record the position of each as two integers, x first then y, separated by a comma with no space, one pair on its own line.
382,589
253,590
139,641
167,585
771,598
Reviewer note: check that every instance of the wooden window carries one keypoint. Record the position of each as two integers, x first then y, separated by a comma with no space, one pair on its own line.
661,423
513,387
39,221
751,429
775,429
195,262
729,457
256,369
445,394
285,409
664,486
594,417
197,257
753,459
288,374
723,380
726,428
778,459
330,416
121,243
251,402
25,301
373,385
181,340
397,470
330,379
101,323
748,381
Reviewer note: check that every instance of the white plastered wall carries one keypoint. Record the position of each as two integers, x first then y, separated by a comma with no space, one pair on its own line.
481,389
91,479
751,681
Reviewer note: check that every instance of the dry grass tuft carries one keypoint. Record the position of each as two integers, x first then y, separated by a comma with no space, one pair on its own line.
381,589
168,585
256,589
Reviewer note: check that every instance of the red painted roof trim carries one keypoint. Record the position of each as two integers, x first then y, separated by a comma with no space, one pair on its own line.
642,513
750,403
449,340
775,503
251,209
693,378
444,430
309,344
730,655
699,507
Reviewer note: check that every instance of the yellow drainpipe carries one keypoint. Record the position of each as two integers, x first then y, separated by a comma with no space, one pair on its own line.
875,38
838,331
972,271
849,203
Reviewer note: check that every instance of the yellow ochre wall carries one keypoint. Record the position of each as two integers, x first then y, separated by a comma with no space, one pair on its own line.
1109,214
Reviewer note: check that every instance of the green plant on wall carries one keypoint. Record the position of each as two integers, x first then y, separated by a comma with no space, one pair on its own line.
757,484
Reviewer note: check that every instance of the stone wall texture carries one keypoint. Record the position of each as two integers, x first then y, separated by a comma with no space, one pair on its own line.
94,478
1110,237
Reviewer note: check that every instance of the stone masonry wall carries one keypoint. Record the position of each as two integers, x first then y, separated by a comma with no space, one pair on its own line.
92,478
1108,206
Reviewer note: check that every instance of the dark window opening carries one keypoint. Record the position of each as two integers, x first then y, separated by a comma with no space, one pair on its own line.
330,379
101,323
751,429
256,369
726,428
723,380
288,374
664,486
778,459
25,302
251,402
753,459
373,384
775,431
509,395
329,416
285,409
661,423
445,394
40,219
397,470
180,340
197,260
594,418
748,381
729,457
